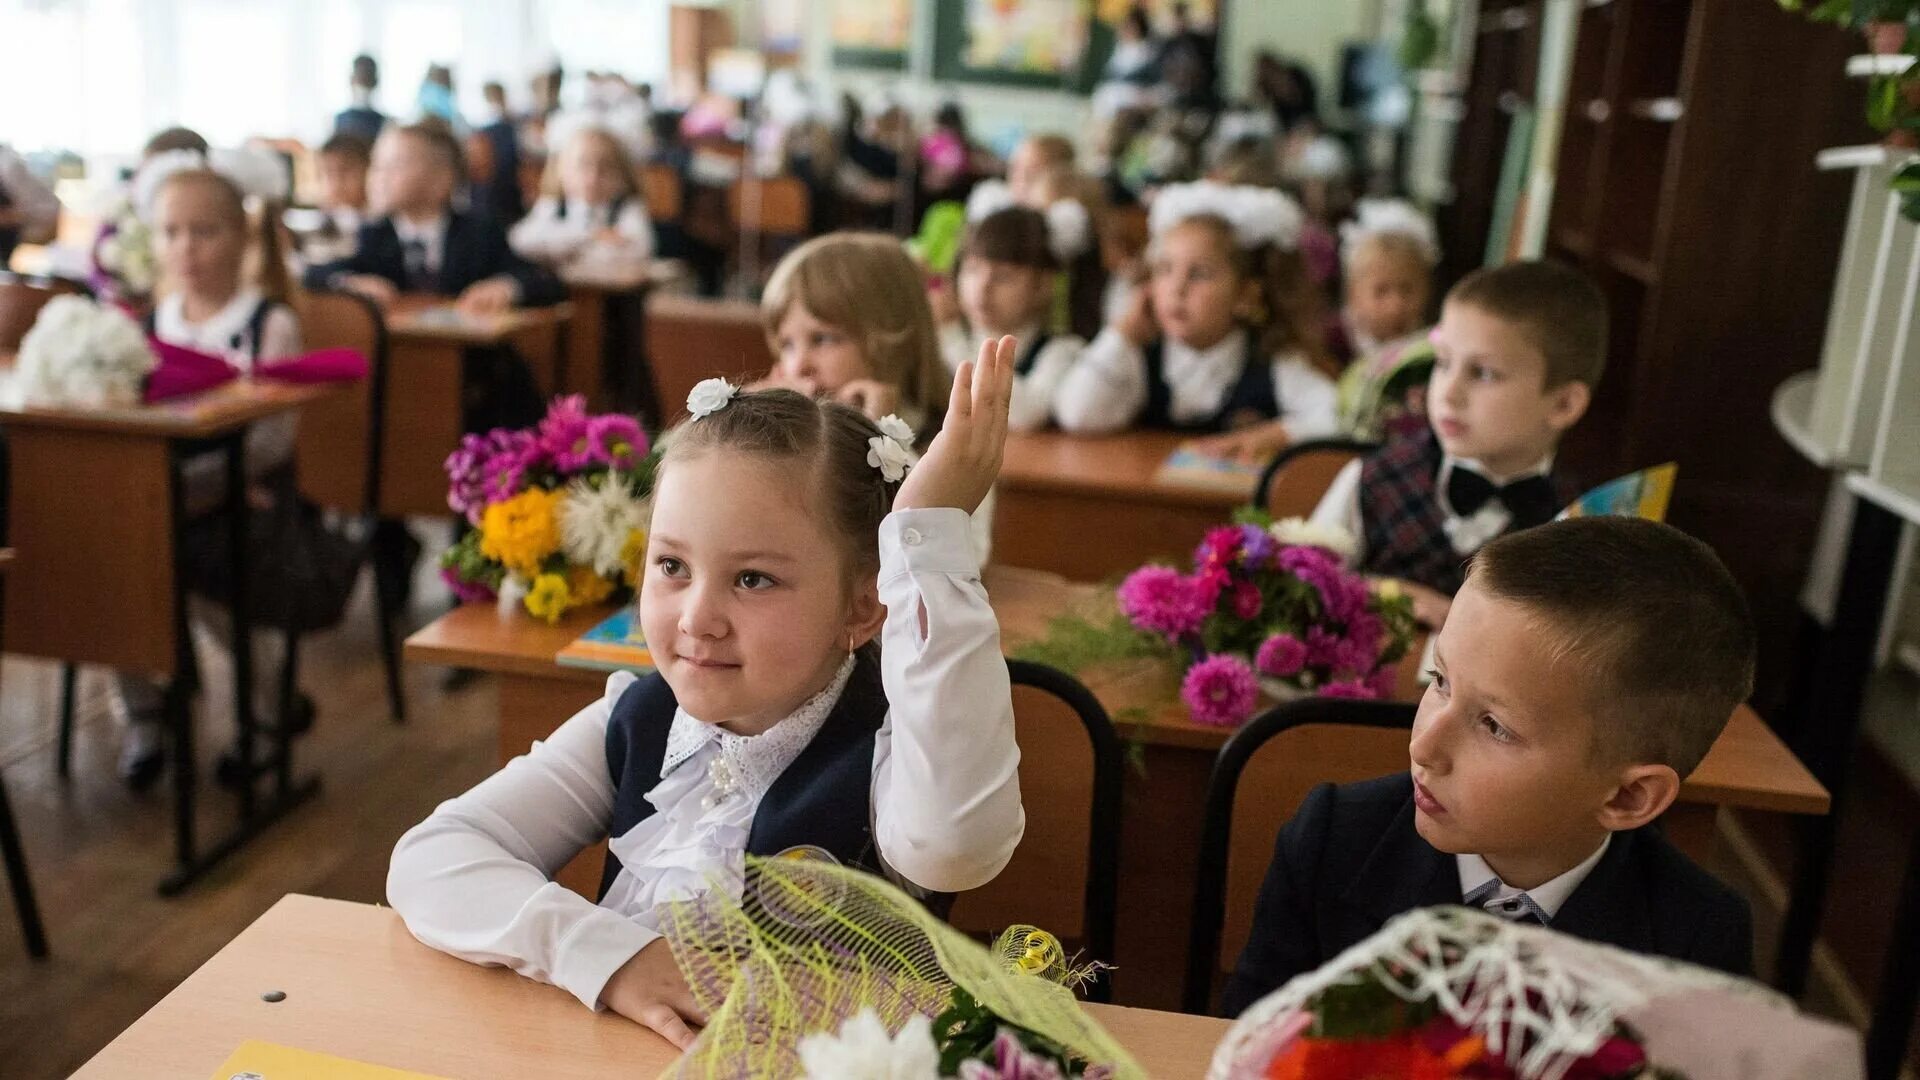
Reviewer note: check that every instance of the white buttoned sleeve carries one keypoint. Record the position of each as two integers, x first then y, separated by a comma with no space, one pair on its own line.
474,879
1106,389
1339,508
1033,393
543,236
946,782
1309,401
635,229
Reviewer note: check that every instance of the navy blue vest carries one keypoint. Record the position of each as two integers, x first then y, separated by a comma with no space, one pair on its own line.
1250,401
618,204
824,799
1023,367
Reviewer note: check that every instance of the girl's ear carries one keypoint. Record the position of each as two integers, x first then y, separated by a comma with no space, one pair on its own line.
865,614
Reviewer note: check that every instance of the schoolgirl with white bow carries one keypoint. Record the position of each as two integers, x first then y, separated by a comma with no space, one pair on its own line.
789,539
1224,340
1006,275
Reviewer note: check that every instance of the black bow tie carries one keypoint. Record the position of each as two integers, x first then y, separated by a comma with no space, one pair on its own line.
1530,500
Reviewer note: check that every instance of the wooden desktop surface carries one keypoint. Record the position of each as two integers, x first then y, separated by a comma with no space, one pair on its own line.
424,318
197,416
358,986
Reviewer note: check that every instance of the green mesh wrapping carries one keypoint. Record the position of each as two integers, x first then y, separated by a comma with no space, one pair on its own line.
812,943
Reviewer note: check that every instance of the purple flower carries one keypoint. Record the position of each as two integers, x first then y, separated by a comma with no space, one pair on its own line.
616,440
485,469
1325,649
467,592
1258,547
563,433
1011,1060
1210,583
1163,600
1246,599
1220,691
1221,546
1366,631
1348,688
1281,656
1384,683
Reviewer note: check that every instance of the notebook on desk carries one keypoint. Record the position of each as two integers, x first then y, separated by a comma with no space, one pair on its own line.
259,1060
616,644
1187,467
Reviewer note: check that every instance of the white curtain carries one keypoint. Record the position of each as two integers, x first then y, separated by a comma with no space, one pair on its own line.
99,76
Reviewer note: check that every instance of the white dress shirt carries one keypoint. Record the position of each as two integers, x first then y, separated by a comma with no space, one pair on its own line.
431,235
1510,903
1107,389
1340,506
560,241
1032,406
474,878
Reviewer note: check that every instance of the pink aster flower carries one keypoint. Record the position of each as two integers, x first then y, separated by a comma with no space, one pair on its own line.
1220,691
1246,599
616,440
1163,600
1348,688
563,433
1281,656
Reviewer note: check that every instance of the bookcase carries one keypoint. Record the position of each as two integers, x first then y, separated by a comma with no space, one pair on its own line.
1686,185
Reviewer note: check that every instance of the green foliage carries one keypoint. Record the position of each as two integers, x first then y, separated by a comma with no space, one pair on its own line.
967,1029
1074,643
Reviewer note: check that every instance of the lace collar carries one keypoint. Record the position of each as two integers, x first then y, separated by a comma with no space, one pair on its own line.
754,762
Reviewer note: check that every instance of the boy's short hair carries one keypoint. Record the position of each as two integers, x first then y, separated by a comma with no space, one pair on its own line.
1650,613
174,138
1011,234
1559,310
346,144
437,136
366,71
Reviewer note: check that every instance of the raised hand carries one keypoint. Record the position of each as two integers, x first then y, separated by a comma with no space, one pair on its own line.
964,460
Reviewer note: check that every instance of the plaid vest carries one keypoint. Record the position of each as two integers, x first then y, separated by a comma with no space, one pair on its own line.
1403,523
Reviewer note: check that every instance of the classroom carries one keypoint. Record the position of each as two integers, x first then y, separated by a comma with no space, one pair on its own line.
899,539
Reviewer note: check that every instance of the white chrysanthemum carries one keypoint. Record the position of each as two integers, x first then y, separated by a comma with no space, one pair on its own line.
709,396
1300,531
862,1050
892,457
1376,217
82,353
1257,215
896,429
595,523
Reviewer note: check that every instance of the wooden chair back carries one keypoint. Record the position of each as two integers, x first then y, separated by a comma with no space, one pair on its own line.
688,339
337,456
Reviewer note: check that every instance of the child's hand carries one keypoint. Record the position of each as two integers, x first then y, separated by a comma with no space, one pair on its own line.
870,396
964,460
1136,322
1430,606
1249,446
650,990
489,297
372,286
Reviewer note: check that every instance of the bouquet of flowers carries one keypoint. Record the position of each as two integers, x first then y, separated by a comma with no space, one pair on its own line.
559,511
79,352
832,974
1270,606
1452,992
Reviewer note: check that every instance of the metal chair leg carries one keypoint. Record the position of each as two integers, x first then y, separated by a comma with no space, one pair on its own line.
15,855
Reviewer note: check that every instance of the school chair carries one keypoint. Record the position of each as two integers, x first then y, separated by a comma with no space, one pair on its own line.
1293,482
21,299
660,190
768,217
1064,876
688,339
1276,759
15,855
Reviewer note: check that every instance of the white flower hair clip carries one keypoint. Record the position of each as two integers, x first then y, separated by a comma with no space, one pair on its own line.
1385,217
258,174
891,451
1257,215
1069,227
709,396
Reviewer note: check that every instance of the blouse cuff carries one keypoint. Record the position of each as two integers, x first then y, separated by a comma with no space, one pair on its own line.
937,540
599,944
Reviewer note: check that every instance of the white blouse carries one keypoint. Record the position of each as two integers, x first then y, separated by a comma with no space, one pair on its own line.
473,879
546,236
1032,405
1107,389
1340,506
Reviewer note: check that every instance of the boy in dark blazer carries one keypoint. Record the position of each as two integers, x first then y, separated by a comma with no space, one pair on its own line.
1586,667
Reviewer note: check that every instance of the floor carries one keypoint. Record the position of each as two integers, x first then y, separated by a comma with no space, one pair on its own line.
96,850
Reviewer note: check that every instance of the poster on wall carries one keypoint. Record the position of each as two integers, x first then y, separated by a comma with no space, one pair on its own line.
1202,15
1012,42
872,33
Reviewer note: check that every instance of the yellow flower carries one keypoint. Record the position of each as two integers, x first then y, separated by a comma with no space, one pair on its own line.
549,598
1388,589
587,587
632,553
522,531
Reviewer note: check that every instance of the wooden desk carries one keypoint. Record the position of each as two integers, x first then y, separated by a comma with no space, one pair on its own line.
423,393
1057,492
358,986
106,561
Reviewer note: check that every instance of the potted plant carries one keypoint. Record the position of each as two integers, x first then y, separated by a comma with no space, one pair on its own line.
1884,22
1893,108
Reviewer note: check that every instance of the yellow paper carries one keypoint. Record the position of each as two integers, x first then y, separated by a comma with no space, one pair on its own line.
258,1060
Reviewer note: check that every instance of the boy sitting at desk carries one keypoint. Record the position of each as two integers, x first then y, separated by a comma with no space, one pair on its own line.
1587,667
1517,354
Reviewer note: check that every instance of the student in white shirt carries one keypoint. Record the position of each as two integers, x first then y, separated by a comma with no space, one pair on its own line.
1224,340
205,238
343,159
1006,280
589,215
787,536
